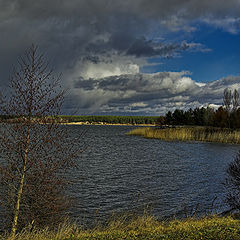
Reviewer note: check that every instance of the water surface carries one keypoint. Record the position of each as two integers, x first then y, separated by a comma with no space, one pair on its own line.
119,173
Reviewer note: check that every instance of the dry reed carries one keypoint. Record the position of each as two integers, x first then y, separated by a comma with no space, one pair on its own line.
207,134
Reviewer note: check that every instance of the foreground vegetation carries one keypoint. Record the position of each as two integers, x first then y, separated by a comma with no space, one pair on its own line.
143,228
208,134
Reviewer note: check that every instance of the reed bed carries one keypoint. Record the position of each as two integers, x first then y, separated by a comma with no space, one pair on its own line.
207,134
145,227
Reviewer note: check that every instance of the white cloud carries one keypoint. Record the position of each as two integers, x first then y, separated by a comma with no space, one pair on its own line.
228,24
102,70
151,94
200,84
176,23
214,106
138,104
101,66
183,84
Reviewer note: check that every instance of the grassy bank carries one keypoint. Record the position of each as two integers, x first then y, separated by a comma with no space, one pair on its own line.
145,228
208,134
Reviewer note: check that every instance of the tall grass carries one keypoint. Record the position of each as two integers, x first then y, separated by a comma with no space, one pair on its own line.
145,227
208,134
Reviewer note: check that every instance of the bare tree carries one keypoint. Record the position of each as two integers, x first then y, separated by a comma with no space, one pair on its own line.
230,100
35,150
227,99
1,99
235,100
231,104
233,183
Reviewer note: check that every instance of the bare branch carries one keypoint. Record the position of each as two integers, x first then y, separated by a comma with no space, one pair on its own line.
35,149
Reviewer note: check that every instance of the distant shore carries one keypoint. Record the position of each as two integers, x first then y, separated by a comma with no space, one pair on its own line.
89,120
108,124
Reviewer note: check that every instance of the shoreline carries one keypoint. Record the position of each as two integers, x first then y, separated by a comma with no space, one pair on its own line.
108,124
202,134
88,124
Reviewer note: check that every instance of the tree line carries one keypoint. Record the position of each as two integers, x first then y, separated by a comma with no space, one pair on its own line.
111,119
226,116
92,119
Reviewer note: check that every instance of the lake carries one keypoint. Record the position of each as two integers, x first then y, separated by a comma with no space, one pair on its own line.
119,173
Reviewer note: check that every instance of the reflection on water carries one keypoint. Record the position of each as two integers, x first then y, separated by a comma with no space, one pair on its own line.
119,173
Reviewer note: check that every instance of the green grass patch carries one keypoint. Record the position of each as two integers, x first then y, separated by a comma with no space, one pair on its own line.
219,228
208,134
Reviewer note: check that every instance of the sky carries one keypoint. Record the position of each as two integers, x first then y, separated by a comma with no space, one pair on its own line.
128,57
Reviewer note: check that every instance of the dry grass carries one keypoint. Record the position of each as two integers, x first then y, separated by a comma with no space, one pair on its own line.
190,134
64,231
147,227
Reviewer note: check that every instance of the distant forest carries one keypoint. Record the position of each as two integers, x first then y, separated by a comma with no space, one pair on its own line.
226,116
96,119
204,117
111,119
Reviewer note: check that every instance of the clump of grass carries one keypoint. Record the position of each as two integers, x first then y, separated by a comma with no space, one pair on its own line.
64,231
146,227
208,134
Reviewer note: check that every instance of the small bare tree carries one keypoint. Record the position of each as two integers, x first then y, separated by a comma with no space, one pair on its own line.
231,104
230,100
35,150
1,99
227,100
233,183
235,100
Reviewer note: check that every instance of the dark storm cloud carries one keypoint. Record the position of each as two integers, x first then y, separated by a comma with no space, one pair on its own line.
147,8
75,32
147,48
144,48
66,29
85,84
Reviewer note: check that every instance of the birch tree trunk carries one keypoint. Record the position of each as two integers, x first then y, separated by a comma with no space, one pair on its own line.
20,189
